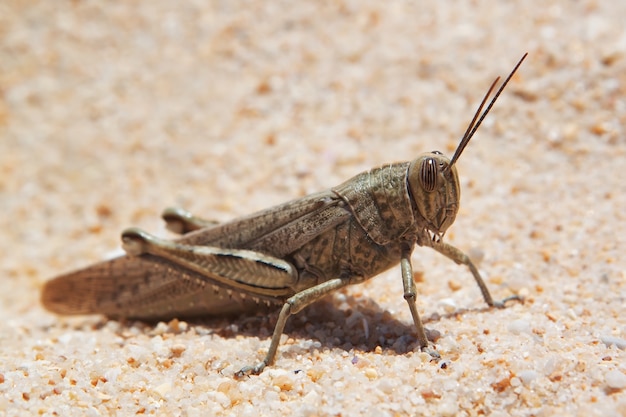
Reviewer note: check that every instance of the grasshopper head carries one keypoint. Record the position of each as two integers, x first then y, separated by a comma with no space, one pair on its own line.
434,186
433,181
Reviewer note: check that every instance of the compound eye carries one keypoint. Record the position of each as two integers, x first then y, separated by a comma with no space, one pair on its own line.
428,174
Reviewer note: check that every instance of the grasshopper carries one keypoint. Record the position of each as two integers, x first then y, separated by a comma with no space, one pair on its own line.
291,254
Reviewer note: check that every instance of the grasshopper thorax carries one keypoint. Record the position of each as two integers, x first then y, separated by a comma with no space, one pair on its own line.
434,187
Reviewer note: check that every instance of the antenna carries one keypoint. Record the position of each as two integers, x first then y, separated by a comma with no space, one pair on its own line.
474,124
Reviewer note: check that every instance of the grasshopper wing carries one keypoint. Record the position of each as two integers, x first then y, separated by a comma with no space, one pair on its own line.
279,230
150,287
144,287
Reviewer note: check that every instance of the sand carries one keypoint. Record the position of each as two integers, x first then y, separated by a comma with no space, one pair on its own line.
112,111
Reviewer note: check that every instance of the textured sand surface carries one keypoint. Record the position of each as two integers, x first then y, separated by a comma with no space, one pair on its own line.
111,111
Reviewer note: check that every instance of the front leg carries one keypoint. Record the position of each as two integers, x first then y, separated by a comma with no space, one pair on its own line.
462,259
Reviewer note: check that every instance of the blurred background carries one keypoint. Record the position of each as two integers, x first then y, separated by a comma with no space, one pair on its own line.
112,111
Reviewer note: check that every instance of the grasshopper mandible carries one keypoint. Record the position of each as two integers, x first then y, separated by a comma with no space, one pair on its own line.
292,254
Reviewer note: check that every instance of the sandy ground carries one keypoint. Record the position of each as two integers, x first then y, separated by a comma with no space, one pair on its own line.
111,111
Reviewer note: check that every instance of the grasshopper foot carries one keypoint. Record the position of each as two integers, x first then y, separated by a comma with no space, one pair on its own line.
251,370
502,303
434,355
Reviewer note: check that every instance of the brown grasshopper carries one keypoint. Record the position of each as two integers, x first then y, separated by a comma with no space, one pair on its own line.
292,254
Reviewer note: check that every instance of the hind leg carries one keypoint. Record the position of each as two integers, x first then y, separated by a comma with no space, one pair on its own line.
181,221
